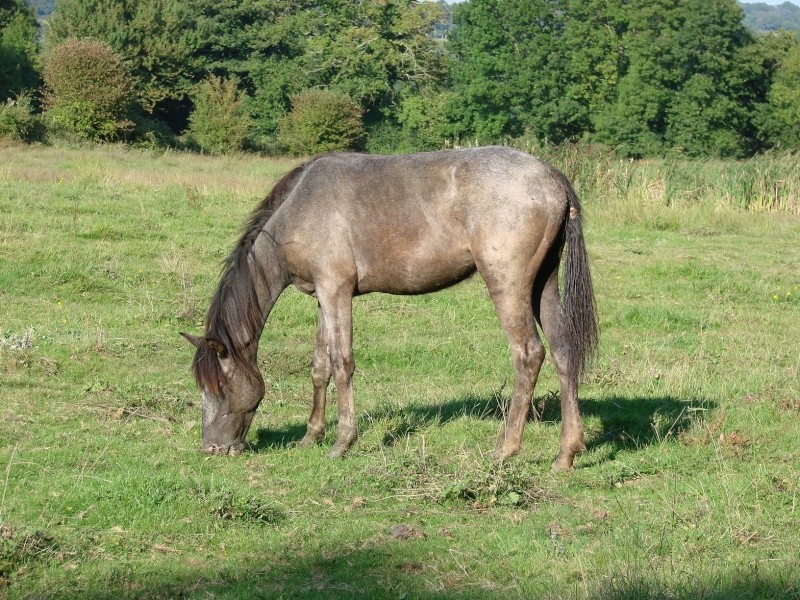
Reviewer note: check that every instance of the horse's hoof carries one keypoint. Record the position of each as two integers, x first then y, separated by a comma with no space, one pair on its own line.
563,463
309,440
504,453
338,451
566,456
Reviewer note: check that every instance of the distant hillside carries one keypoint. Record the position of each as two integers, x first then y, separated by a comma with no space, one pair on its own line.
43,8
762,17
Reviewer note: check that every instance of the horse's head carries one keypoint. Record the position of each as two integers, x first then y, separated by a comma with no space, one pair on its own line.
232,391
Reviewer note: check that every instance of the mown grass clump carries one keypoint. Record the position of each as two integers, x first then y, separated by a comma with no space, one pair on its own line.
21,549
236,506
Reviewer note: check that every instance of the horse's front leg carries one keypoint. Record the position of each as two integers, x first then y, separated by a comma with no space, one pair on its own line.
338,317
320,377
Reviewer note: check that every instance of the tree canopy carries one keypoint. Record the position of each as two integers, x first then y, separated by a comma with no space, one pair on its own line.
157,39
641,75
17,48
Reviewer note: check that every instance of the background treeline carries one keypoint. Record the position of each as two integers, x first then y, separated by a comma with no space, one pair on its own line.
766,17
644,77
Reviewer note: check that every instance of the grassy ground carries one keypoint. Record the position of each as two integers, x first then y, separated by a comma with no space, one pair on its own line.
689,488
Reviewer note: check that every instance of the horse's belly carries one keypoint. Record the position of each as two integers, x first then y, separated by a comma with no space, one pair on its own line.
415,273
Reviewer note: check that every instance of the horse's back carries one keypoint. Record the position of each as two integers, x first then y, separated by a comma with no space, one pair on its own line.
414,223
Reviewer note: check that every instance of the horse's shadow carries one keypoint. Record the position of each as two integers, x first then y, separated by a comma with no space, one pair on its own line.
625,422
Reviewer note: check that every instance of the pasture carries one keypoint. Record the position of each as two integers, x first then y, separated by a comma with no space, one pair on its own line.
689,488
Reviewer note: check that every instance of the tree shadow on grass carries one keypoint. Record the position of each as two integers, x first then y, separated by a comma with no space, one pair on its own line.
389,569
625,422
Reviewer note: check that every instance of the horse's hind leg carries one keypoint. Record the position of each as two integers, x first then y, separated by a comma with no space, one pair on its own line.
515,312
320,376
547,301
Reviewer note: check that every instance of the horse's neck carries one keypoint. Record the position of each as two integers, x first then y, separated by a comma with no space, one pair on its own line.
270,277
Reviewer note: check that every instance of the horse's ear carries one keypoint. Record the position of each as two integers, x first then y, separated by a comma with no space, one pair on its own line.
192,339
218,347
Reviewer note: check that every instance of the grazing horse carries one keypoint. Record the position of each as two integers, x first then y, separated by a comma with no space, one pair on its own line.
347,224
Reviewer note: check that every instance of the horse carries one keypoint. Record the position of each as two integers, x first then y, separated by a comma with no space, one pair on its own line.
346,224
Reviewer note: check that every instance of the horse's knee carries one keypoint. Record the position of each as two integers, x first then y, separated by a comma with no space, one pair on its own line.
320,373
343,365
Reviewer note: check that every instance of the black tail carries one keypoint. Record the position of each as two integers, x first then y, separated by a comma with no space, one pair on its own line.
578,300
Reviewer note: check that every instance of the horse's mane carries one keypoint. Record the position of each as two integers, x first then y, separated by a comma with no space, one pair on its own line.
235,314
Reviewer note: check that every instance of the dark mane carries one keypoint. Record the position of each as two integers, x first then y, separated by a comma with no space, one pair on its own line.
235,308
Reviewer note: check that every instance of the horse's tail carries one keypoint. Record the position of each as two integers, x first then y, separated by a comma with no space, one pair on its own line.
580,309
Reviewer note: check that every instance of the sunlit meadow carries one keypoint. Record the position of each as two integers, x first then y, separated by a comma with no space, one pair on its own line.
689,487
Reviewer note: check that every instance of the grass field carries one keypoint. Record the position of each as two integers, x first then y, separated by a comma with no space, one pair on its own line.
689,489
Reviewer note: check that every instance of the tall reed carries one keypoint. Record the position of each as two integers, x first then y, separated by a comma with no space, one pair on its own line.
769,182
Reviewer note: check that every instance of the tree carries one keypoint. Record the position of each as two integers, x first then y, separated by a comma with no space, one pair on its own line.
762,17
592,32
508,67
427,120
220,121
644,76
17,48
686,81
368,51
157,40
321,121
779,117
11,9
536,66
87,90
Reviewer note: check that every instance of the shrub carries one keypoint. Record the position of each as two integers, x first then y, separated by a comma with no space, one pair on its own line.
151,134
88,90
321,121
385,136
18,51
18,120
220,121
427,120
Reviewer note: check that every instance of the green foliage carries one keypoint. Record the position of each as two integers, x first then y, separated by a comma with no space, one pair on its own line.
427,119
630,124
220,122
779,118
156,39
150,133
18,49
88,90
321,121
509,69
18,120
366,50
645,78
10,9
686,82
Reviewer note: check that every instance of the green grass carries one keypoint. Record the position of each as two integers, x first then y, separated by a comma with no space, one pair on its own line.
689,489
